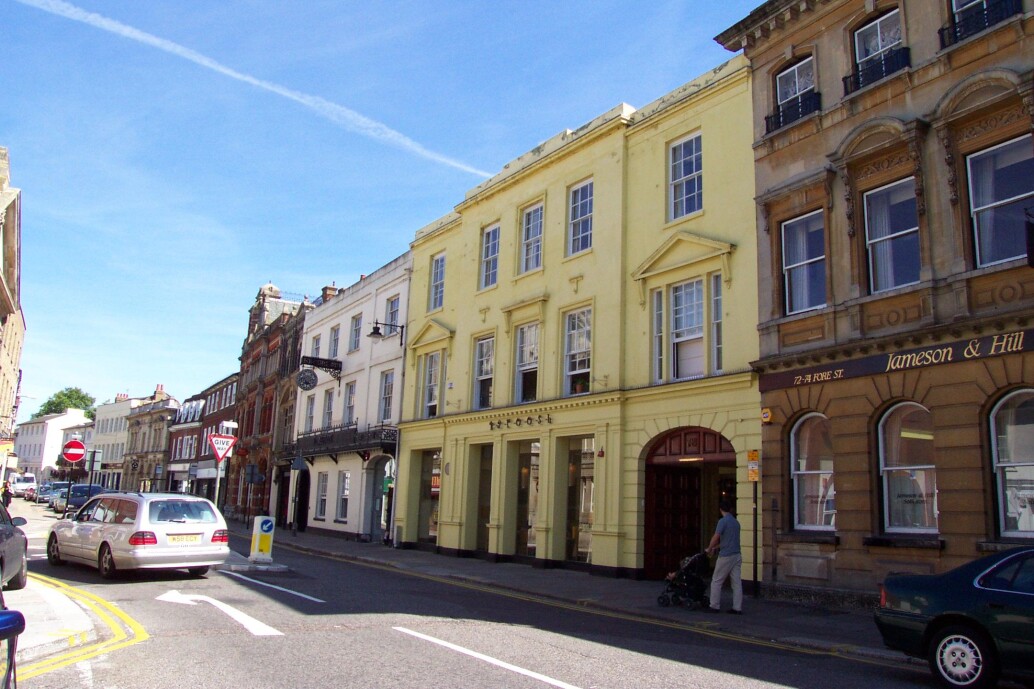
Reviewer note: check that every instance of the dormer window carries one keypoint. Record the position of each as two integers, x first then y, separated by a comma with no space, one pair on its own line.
878,52
795,95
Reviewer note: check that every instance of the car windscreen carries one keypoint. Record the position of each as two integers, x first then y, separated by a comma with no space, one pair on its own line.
181,511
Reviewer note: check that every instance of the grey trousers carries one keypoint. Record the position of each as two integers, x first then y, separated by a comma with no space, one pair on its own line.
727,567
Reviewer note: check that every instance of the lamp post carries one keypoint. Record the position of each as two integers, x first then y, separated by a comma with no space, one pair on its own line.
376,334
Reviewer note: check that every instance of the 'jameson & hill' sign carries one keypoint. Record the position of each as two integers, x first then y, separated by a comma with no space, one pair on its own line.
903,360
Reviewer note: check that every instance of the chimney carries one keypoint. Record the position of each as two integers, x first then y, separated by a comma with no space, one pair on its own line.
328,292
159,392
122,397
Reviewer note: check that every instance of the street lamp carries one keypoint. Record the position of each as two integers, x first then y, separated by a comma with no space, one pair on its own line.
376,333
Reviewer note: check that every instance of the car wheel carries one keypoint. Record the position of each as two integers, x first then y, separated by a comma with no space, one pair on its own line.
106,562
20,579
962,656
54,551
197,571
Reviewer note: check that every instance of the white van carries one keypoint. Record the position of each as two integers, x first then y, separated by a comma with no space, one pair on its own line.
20,483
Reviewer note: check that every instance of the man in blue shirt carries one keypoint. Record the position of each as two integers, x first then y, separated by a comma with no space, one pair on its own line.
726,541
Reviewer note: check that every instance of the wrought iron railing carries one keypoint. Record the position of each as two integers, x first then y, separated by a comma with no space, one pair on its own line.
793,110
973,20
877,68
347,438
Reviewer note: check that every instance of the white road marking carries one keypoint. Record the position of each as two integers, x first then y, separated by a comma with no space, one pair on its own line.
247,621
487,659
278,588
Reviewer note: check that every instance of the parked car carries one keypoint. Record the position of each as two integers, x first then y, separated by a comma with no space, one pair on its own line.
81,492
972,624
121,531
58,499
13,547
44,494
30,493
20,483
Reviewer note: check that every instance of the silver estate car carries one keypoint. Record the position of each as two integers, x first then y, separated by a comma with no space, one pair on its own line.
121,531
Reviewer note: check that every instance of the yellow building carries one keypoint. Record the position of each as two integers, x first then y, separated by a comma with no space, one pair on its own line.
578,386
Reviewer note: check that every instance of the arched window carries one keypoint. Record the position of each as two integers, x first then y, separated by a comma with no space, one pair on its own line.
1012,443
811,452
908,470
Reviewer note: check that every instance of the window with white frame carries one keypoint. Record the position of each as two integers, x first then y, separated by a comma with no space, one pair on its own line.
315,349
579,225
387,392
344,487
431,383
484,368
686,180
795,83
804,263
328,408
686,329
321,494
436,295
892,236
811,469
310,412
577,351
335,338
1012,445
349,402
489,271
355,332
908,470
1001,187
391,315
875,39
526,384
531,238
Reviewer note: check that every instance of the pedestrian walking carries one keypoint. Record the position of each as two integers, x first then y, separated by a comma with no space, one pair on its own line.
726,541
7,494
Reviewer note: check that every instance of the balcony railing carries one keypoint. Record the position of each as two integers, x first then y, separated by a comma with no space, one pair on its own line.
793,110
972,21
877,68
347,438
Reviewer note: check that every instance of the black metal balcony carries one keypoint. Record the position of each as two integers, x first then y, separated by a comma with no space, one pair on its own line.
973,20
793,110
877,68
347,438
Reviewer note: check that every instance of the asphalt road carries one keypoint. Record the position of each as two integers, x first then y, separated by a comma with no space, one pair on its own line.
332,623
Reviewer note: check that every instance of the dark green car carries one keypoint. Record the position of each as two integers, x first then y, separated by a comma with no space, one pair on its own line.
973,623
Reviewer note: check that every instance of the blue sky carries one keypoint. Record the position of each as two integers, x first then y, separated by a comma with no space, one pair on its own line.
175,156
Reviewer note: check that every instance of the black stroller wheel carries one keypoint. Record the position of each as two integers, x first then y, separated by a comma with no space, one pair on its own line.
676,599
663,600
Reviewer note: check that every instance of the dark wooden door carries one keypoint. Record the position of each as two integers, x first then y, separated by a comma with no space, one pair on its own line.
672,518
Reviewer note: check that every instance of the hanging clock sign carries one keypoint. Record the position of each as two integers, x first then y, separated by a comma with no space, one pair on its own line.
307,379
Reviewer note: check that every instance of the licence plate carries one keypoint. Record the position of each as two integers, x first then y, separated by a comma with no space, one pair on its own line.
185,538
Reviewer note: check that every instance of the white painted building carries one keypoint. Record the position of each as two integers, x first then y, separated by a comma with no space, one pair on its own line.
38,442
346,420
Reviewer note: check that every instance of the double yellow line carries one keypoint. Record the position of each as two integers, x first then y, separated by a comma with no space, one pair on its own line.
124,630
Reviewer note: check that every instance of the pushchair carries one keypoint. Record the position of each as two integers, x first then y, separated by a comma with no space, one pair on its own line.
688,584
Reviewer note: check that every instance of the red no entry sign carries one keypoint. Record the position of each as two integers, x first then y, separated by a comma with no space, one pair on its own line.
73,451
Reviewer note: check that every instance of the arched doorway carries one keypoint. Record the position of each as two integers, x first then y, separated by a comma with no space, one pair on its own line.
687,471
301,505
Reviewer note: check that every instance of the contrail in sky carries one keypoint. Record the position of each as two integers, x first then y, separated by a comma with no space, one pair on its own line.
338,114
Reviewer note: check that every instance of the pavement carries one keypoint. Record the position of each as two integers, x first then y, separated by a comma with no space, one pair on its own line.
57,622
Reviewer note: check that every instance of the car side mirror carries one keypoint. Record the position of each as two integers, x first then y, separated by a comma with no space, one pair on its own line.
19,521
12,623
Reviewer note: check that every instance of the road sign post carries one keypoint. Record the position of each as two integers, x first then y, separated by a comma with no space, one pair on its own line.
222,446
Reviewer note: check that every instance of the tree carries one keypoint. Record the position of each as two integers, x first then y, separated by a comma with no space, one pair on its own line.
69,398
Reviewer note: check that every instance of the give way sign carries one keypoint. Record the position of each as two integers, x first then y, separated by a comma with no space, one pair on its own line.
221,445
73,451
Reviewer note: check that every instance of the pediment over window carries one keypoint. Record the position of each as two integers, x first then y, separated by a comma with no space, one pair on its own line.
682,250
533,305
432,332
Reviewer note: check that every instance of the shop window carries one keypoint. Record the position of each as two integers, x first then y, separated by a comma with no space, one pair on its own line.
484,368
892,236
908,470
1012,437
811,452
526,384
1001,186
577,351
321,494
804,263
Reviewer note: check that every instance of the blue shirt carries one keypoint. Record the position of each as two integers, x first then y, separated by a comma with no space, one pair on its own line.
728,531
